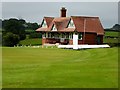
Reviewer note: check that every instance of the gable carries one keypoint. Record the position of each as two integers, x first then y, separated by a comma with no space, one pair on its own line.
44,24
71,24
54,28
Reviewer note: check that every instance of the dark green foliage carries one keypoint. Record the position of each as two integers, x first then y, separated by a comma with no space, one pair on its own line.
114,44
116,27
32,26
29,31
15,26
10,39
35,35
112,38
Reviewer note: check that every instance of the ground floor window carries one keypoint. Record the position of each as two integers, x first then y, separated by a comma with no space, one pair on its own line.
57,35
70,35
44,35
80,36
63,35
49,35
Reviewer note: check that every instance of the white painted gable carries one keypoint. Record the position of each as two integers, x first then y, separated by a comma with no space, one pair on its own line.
44,24
54,28
71,24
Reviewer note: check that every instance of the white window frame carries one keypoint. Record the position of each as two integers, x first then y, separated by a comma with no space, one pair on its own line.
44,35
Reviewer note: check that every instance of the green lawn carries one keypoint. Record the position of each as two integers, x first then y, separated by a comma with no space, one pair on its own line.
110,40
112,33
59,68
35,41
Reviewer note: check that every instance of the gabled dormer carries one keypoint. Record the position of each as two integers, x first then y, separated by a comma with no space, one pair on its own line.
71,24
54,28
44,24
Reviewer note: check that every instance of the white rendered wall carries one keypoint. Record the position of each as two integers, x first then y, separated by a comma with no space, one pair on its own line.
75,41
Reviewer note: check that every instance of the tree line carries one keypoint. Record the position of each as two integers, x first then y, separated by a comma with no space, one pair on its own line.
14,30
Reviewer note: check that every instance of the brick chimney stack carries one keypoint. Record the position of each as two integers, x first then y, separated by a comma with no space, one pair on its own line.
63,12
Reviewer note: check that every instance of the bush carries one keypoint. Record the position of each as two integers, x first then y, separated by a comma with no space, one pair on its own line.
10,39
114,44
35,35
15,26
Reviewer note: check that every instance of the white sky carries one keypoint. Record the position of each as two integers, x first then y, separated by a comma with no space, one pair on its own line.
60,0
33,11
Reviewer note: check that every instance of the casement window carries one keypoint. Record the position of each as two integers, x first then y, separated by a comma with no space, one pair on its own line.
70,35
49,35
52,35
56,36
67,36
63,35
80,36
44,35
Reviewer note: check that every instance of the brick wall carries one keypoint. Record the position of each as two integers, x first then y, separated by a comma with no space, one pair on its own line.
90,38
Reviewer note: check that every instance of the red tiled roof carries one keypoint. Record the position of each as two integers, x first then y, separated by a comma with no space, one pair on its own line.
82,24
61,22
48,20
67,30
42,29
88,24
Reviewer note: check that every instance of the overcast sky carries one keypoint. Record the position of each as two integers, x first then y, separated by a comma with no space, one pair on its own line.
35,11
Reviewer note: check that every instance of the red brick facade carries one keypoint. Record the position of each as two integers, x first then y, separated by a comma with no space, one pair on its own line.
89,38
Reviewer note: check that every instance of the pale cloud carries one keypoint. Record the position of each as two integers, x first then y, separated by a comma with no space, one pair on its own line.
60,0
35,11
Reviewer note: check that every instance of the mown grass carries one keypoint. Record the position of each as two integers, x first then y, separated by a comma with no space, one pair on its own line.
60,68
112,33
35,41
111,40
0,68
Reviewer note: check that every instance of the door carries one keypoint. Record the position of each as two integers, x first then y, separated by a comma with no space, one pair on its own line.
98,40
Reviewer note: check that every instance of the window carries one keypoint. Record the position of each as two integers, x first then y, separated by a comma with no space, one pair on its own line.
44,35
80,36
63,36
70,35
49,35
52,35
67,36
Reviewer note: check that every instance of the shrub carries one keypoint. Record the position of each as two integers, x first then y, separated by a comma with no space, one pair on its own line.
10,39
35,35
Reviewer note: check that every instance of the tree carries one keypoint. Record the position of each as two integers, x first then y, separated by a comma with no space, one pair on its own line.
10,39
116,27
32,26
15,26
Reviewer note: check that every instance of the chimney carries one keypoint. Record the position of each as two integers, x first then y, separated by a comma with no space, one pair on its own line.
63,12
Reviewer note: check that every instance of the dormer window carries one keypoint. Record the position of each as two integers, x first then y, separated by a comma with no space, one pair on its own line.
44,25
71,24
